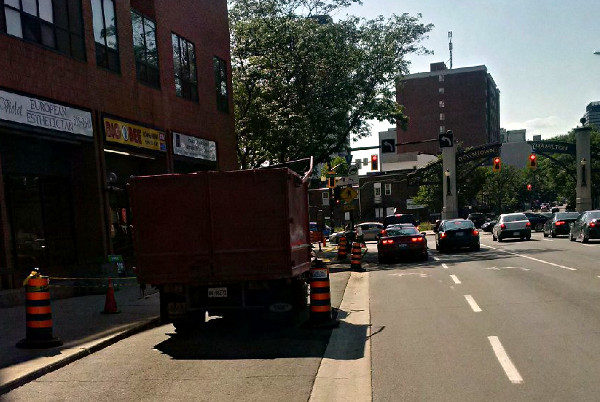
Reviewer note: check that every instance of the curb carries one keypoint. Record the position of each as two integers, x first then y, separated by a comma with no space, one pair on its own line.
86,351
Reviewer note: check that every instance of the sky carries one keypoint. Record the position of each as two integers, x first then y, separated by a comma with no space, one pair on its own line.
540,53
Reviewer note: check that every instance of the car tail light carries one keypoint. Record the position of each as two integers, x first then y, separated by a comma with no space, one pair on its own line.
503,226
475,232
528,225
443,235
593,223
383,232
559,223
416,239
387,241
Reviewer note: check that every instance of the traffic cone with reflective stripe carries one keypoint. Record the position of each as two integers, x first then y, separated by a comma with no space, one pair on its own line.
320,296
356,257
342,252
110,304
38,315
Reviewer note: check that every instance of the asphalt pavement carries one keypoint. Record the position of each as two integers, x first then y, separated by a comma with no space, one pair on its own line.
84,329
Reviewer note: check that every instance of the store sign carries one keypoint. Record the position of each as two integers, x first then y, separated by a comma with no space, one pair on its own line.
44,114
134,135
193,147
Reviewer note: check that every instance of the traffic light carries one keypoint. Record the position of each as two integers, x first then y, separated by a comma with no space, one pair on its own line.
337,194
529,187
497,164
374,162
331,182
532,162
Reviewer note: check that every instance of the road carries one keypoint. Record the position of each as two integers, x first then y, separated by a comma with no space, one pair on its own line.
518,321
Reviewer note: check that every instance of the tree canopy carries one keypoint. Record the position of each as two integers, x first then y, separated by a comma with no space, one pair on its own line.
304,84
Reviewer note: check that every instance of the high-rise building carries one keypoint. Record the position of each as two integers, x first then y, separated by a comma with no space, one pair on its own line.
464,100
592,114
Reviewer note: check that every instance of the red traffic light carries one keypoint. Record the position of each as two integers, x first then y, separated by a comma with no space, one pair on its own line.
529,187
497,164
374,162
532,161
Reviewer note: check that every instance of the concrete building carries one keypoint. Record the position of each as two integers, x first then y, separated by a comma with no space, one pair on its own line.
464,100
91,93
513,135
592,114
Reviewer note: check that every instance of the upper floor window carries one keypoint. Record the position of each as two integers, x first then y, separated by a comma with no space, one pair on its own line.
56,24
221,84
442,116
441,90
388,189
144,48
442,103
105,34
184,60
441,78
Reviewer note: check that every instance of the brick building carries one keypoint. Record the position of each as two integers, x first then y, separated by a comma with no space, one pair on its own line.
464,100
91,93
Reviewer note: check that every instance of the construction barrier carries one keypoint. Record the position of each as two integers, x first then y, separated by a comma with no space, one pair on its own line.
38,315
356,257
342,248
110,304
320,296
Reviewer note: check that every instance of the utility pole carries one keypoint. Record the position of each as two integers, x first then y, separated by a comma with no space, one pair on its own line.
450,47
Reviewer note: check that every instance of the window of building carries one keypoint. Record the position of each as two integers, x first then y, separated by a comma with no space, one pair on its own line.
325,197
441,90
144,48
56,24
442,129
442,103
184,59
221,85
388,188
377,188
105,34
379,213
442,116
441,78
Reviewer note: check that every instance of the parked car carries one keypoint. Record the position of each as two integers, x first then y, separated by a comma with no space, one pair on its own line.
401,240
313,227
512,225
457,233
400,218
586,227
489,225
477,218
560,223
371,230
537,220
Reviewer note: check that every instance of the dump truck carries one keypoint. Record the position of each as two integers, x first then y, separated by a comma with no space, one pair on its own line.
222,243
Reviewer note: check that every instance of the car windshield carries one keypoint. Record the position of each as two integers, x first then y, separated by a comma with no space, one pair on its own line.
402,231
515,218
567,215
394,219
458,225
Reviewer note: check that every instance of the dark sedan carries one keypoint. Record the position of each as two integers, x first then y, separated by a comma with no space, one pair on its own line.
586,227
537,220
457,233
401,240
560,223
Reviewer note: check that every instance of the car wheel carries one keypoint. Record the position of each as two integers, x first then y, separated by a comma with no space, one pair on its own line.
539,227
499,239
425,256
584,238
476,247
494,237
552,234
528,238
545,234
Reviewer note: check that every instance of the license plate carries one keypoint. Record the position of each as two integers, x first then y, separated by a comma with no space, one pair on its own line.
516,233
460,234
217,292
403,245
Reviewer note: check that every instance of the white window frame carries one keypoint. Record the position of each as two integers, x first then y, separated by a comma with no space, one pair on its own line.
442,117
388,189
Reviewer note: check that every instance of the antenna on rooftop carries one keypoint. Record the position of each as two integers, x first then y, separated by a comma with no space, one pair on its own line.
450,46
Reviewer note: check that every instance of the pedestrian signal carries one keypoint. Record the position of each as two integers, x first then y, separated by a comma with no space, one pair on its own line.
532,161
374,162
497,164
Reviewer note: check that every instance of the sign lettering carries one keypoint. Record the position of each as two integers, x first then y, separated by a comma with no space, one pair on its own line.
134,135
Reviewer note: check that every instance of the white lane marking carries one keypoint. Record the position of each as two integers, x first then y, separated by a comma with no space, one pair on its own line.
587,245
455,279
499,268
473,303
421,274
444,266
538,260
547,240
509,368
435,259
490,247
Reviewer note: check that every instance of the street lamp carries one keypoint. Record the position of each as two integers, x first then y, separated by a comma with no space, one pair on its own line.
447,174
583,163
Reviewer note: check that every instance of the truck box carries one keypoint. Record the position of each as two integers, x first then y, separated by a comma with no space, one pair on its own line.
220,236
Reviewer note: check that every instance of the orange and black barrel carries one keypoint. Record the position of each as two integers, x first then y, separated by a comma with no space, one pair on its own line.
320,294
38,315
342,248
356,256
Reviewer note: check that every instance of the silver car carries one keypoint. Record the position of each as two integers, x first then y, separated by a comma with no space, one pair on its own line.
371,230
512,225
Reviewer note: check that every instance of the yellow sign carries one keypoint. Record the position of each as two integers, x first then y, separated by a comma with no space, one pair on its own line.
348,194
348,207
134,135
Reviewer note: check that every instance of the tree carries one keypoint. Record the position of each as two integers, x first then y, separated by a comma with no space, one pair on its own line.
304,84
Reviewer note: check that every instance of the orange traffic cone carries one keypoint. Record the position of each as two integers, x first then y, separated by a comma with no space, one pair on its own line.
110,305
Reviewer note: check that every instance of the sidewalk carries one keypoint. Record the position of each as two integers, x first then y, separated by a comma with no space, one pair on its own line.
79,323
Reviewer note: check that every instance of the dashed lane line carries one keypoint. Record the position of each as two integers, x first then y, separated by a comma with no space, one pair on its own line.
444,266
534,259
455,279
509,368
474,306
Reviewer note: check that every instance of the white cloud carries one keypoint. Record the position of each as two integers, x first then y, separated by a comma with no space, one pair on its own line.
546,126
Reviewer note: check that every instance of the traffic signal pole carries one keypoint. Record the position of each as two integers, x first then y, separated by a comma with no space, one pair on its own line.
583,202
450,196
